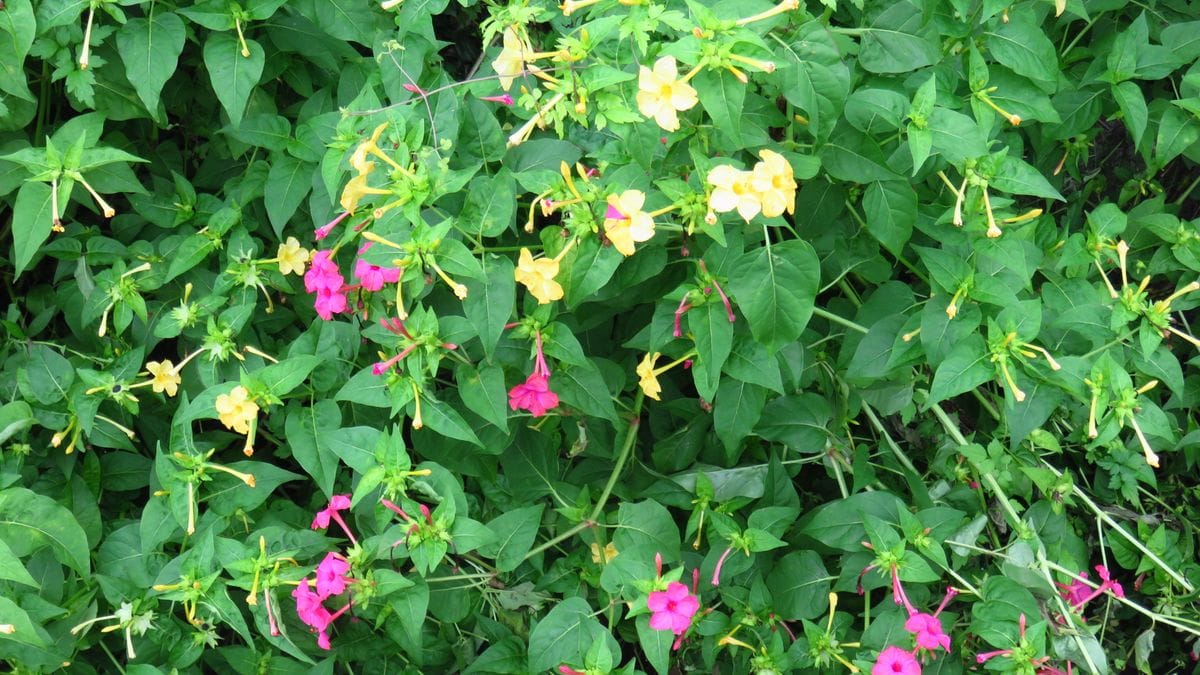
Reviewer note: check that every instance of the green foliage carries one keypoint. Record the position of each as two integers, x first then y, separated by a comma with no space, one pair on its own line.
791,315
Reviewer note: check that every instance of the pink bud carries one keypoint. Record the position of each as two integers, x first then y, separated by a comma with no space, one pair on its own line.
413,88
503,100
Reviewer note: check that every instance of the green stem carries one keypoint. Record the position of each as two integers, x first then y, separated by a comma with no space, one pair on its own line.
829,316
622,457
1107,519
887,438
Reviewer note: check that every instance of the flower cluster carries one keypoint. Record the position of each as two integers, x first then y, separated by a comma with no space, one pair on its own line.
1080,592
768,188
332,576
928,633
326,281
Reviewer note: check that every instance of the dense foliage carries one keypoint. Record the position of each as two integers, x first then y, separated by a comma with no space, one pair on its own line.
617,336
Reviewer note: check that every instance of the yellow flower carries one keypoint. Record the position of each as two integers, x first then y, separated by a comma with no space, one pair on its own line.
357,188
773,183
236,410
661,93
626,222
359,161
610,552
511,61
292,257
648,378
538,277
165,378
733,190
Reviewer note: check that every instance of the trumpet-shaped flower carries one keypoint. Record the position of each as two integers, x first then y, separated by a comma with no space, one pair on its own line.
292,257
732,190
661,93
647,378
373,277
236,410
625,223
511,61
896,661
534,395
165,378
773,183
673,608
356,188
538,276
331,575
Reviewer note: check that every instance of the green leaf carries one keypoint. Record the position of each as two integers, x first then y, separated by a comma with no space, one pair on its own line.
891,211
775,287
814,79
839,524
515,532
444,419
47,377
799,586
483,392
582,387
232,75
23,628
489,302
1177,132
32,221
956,136
656,644
713,334
737,409
799,421
1017,177
356,447
965,368
12,569
1022,45
150,49
281,378
30,521
490,206
288,183
15,417
898,41
854,157
723,97
308,431
564,635
17,30
645,528
366,388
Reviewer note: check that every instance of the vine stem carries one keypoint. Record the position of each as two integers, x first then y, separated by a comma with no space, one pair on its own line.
622,458
830,316
1134,541
1019,525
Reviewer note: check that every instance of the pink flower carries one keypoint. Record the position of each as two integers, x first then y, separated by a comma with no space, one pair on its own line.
928,629
505,99
673,608
313,613
323,274
1076,591
324,516
323,231
331,575
533,395
329,303
895,660
373,277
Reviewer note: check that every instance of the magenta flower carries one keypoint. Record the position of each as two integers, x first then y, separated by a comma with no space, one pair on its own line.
505,99
329,303
896,661
1076,592
324,516
928,629
373,277
313,613
673,608
323,274
534,393
323,231
331,575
